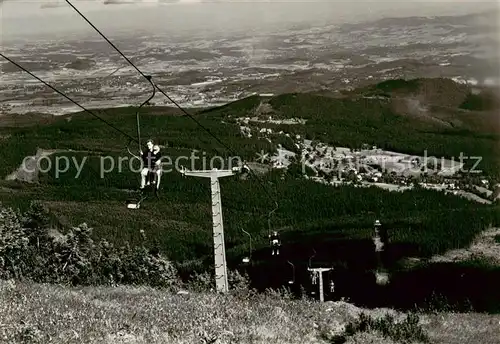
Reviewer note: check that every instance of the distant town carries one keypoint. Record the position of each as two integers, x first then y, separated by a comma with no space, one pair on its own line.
368,165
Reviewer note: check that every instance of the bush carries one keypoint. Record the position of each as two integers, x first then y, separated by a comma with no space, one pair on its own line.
201,282
30,249
13,243
239,285
497,238
408,331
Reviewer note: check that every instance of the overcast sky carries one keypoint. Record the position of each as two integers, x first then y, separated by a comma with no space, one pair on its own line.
34,17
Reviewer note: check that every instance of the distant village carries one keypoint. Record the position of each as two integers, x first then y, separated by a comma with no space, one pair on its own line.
369,166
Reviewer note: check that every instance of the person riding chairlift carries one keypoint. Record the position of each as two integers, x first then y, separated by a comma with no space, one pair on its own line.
332,286
275,242
314,277
152,163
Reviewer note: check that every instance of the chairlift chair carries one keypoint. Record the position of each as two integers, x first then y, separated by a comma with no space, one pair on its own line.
314,277
275,241
331,282
312,274
332,286
135,203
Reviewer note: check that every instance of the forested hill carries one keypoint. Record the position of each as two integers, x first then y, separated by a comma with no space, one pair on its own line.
438,116
403,116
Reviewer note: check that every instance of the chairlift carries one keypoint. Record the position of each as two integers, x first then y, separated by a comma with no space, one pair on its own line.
247,259
269,219
292,281
311,257
331,282
151,178
312,274
274,238
275,242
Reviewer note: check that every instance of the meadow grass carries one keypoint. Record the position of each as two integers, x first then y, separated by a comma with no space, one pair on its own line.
497,238
35,313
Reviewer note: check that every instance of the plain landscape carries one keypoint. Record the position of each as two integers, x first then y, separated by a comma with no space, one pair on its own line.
340,125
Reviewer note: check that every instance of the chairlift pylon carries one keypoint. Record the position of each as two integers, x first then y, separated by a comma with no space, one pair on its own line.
134,203
275,243
331,282
274,240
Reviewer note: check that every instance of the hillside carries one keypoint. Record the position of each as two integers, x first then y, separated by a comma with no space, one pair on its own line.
422,222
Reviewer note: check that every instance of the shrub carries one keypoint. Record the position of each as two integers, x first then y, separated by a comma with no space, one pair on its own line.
497,238
201,282
407,331
239,284
30,249
13,243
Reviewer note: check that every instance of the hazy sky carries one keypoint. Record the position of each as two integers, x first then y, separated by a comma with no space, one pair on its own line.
56,17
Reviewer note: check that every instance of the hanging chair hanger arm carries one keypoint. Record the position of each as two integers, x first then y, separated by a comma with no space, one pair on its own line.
128,149
148,77
269,217
250,237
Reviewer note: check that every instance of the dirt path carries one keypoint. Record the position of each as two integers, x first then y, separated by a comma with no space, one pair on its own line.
29,169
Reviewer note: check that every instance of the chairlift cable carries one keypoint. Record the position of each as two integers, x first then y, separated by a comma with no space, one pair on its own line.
269,218
293,270
250,243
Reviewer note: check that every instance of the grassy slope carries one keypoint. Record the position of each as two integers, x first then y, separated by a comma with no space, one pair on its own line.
181,223
34,313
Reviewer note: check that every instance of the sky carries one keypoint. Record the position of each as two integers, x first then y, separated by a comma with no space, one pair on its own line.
25,8
55,17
